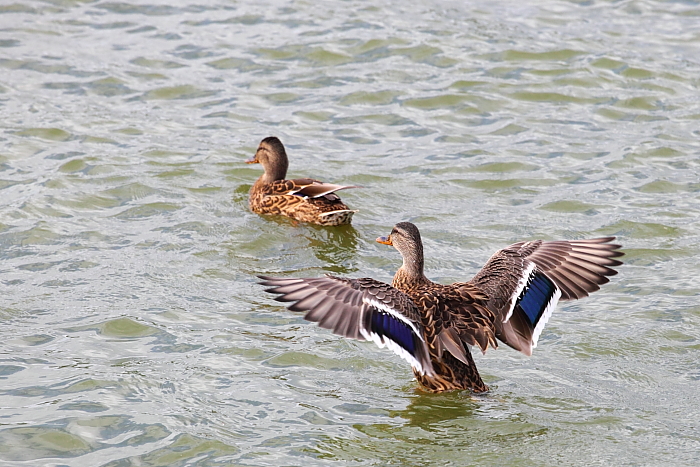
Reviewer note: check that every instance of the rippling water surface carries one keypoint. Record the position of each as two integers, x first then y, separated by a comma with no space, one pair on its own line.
132,331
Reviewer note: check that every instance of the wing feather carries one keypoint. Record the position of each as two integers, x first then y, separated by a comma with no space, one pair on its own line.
517,282
311,188
363,309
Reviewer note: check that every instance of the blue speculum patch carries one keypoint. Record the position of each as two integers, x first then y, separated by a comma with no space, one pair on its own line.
535,297
393,328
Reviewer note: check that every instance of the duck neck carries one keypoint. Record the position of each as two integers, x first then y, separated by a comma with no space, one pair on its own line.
275,167
273,173
411,271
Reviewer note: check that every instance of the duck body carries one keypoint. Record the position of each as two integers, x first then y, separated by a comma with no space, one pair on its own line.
304,199
439,307
433,326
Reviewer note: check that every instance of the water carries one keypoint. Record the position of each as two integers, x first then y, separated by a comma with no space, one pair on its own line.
132,329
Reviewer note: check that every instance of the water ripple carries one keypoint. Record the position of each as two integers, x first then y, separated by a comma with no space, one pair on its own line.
133,330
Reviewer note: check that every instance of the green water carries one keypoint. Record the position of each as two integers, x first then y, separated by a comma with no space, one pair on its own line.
132,330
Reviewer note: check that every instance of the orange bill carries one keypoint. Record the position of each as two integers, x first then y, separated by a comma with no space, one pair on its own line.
385,240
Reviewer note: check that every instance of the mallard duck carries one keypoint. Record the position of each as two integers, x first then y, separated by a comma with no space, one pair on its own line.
432,325
303,199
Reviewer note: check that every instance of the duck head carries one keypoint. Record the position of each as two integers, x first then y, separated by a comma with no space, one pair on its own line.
405,237
272,156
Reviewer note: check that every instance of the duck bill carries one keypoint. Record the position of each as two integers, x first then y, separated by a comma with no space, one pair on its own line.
385,240
252,161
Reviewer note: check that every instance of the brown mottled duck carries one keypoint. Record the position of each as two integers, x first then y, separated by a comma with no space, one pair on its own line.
303,199
431,325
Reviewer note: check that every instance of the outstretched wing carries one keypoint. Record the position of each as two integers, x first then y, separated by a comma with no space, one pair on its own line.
525,281
363,309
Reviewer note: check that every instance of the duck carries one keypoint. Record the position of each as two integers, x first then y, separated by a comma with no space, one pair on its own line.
302,199
433,326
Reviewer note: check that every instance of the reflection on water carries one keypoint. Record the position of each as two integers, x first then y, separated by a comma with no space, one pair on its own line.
336,249
426,410
133,329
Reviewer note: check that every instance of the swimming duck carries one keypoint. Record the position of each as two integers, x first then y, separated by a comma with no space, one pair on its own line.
432,325
303,199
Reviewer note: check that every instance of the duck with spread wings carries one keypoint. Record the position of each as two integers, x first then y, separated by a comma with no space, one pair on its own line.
303,199
432,325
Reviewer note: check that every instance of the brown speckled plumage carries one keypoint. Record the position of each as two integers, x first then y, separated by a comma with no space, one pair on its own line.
510,299
303,199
